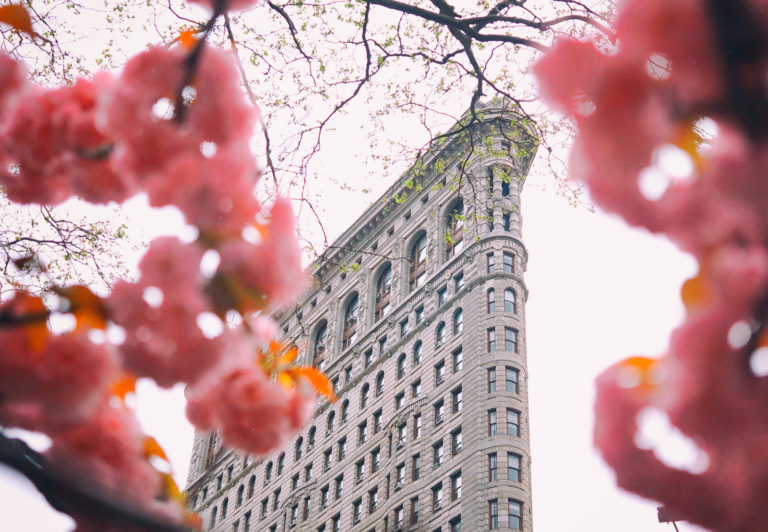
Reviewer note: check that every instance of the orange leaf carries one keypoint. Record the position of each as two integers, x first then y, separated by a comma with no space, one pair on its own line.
187,38
695,293
289,356
193,521
317,379
123,385
640,376
87,307
152,448
171,490
17,17
36,329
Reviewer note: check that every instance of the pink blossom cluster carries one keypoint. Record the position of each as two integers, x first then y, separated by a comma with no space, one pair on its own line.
178,132
650,91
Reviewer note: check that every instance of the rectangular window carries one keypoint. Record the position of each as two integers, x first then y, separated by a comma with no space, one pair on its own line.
276,500
493,514
399,513
247,522
419,314
456,486
455,524
324,497
515,514
357,510
458,282
511,377
362,432
404,327
368,358
416,388
327,459
306,508
513,467
339,491
373,500
415,466
359,471
400,475
294,482
414,510
506,217
441,296
437,497
382,345
491,380
376,421
513,422
491,333
402,431
347,374
439,409
437,454
489,256
439,373
510,339
342,449
308,473
375,459
457,399
399,400
458,360
417,426
456,441
509,263
493,472
336,523
492,422
264,506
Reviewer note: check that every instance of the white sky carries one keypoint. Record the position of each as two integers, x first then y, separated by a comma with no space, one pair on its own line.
599,292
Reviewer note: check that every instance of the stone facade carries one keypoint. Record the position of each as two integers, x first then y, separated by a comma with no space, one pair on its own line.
430,431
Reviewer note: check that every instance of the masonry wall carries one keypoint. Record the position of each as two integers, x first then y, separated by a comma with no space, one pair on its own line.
243,491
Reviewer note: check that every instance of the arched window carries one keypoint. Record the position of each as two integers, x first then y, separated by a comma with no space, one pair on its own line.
383,292
297,450
329,422
345,411
311,438
491,301
401,366
213,516
380,383
251,486
458,321
280,463
240,492
350,322
364,395
509,300
418,262
454,225
318,358
440,333
224,508
417,353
